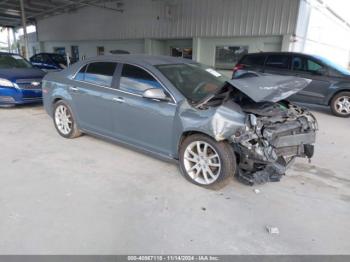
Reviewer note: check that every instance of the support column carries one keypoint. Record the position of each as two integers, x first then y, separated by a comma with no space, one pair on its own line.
24,25
8,40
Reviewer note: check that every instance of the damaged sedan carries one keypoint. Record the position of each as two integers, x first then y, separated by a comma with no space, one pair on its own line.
179,109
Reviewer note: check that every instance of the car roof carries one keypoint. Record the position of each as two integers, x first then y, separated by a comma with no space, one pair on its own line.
141,59
46,53
277,53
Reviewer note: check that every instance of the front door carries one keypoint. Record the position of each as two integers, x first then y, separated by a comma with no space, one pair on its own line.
92,92
308,68
140,121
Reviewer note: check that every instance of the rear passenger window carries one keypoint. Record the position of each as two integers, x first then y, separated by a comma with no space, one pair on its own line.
136,80
254,60
278,61
100,73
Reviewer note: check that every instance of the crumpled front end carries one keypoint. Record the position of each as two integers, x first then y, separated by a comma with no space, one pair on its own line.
274,135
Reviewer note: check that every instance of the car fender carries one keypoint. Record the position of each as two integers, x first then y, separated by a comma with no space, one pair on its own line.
335,89
60,93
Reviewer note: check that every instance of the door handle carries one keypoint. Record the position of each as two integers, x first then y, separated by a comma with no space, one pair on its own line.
119,99
72,88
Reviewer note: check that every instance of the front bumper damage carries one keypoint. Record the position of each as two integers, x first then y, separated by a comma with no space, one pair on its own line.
269,144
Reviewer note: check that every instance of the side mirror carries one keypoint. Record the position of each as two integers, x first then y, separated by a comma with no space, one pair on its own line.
155,93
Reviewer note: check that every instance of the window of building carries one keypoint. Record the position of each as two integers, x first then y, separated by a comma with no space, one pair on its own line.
99,73
278,61
227,56
59,50
136,80
100,50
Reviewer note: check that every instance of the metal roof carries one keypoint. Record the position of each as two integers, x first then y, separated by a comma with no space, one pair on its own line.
10,11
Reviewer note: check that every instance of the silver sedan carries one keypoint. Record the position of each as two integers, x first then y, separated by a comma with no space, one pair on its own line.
179,109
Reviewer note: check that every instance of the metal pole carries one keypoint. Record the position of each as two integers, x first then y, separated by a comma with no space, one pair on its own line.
24,25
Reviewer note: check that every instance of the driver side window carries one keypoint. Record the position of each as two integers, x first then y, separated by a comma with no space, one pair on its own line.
136,80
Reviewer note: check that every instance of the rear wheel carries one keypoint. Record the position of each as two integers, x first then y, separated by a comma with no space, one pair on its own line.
206,162
64,120
340,104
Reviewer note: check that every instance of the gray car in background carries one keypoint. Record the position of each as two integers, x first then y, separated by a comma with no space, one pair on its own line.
329,82
179,109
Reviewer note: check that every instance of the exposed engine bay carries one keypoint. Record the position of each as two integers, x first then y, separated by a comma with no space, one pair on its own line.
274,134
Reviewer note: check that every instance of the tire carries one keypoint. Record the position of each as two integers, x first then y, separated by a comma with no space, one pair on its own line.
66,126
340,104
222,167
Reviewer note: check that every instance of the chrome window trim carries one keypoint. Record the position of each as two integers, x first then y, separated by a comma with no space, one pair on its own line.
115,89
173,102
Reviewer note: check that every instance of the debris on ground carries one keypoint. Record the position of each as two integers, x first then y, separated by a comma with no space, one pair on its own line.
256,191
272,230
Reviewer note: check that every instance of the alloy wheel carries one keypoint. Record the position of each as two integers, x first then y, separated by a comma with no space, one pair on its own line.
202,162
63,119
342,105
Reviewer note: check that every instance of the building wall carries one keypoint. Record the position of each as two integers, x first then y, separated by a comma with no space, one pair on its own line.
174,19
320,32
89,48
205,47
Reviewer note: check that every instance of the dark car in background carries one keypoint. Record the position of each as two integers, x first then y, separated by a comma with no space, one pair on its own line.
329,86
20,83
49,61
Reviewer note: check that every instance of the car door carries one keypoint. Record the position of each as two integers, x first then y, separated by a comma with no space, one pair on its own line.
307,67
144,122
92,91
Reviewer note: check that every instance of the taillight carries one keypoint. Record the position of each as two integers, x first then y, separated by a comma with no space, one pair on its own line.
238,67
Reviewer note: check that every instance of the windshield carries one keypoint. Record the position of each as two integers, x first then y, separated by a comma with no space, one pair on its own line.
334,65
60,59
194,81
13,61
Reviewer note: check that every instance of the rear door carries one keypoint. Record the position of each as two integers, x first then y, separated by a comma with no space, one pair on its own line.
307,67
92,91
141,121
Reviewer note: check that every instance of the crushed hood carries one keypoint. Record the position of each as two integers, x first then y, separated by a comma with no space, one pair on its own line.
269,88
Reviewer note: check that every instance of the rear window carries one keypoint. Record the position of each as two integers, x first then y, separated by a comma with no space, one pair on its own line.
256,60
99,73
278,61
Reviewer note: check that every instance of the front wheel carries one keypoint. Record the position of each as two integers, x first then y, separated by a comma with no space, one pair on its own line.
206,162
340,104
64,120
